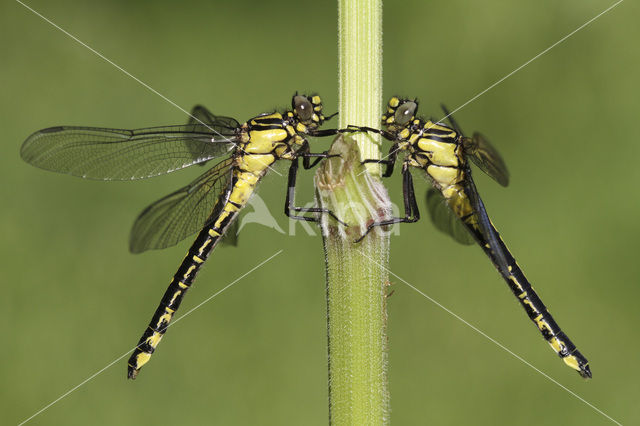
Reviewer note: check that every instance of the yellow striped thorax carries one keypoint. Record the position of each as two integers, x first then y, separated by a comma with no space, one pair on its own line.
278,133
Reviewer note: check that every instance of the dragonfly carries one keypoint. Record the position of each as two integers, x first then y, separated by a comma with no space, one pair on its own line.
211,203
455,206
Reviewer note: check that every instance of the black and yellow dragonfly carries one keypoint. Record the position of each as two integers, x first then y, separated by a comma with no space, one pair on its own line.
210,203
455,206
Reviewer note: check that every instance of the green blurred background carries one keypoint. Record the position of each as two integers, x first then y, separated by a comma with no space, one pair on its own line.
73,298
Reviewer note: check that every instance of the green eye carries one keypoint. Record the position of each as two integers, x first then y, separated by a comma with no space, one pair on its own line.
303,107
405,113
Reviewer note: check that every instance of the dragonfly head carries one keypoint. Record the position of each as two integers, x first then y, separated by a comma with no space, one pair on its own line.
400,114
308,110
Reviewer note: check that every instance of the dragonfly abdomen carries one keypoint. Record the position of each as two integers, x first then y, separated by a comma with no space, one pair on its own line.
181,282
508,268
536,309
226,210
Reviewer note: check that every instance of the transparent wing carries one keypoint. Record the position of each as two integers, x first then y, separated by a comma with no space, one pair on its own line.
486,157
119,154
481,152
221,124
182,213
201,115
445,220
452,120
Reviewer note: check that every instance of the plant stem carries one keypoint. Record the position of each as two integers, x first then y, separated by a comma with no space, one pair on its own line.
356,288
360,71
356,272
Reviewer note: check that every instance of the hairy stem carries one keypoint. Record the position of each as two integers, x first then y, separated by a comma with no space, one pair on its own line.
356,272
360,71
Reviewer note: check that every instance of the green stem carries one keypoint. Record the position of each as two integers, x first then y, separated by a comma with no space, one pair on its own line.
360,71
356,288
356,272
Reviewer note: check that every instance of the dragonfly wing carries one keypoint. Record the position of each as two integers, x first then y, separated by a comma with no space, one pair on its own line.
486,157
201,115
452,121
481,152
119,154
445,220
184,212
219,123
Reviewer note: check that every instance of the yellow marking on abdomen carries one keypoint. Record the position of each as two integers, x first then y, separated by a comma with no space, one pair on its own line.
142,359
572,362
165,318
154,339
515,281
556,344
173,299
221,218
203,247
189,271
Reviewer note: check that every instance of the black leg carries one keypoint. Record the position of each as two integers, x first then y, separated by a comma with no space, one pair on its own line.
389,162
331,116
411,212
307,156
393,152
289,208
387,135
331,132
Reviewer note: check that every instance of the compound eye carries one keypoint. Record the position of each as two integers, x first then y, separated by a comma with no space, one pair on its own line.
405,113
304,108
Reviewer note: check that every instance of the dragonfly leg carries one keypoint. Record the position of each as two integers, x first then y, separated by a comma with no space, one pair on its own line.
307,156
331,132
411,212
289,209
331,116
385,134
390,160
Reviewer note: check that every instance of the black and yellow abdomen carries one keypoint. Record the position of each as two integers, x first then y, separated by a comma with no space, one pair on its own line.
535,308
206,241
458,201
225,212
439,151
